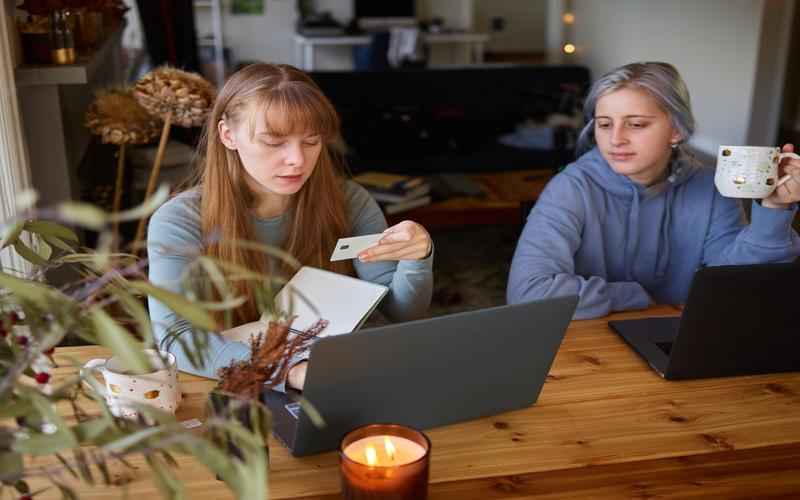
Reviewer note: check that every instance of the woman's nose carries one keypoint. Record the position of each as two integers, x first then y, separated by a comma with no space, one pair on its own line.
618,136
294,155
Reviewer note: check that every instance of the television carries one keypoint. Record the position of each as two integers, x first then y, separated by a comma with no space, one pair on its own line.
373,14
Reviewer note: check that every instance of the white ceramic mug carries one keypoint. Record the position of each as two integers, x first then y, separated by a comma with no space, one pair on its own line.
749,171
123,391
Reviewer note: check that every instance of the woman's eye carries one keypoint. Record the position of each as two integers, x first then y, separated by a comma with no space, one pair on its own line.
603,125
637,125
311,142
273,144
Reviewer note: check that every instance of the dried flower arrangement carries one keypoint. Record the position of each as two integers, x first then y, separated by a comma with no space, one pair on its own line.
270,356
177,97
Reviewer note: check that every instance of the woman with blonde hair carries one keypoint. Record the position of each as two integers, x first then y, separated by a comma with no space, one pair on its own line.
629,222
270,175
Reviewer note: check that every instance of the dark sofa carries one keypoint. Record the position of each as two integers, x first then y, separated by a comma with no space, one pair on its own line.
448,120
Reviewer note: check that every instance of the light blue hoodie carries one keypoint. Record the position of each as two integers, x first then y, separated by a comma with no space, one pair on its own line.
620,246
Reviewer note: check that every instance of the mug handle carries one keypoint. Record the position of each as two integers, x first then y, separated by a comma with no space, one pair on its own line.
786,177
87,370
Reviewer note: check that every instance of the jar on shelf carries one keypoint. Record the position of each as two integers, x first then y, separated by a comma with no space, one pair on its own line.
62,38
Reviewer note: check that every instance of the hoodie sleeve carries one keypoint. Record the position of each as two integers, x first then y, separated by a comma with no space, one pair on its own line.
769,238
544,265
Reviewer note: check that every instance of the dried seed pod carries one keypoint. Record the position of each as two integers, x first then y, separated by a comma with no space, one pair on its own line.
119,119
168,90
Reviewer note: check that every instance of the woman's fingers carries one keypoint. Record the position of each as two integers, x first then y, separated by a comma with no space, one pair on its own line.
406,240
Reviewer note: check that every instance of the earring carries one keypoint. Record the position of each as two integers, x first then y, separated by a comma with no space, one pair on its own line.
674,145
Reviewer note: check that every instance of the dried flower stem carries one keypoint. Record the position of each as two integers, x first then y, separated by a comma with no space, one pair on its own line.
118,186
151,183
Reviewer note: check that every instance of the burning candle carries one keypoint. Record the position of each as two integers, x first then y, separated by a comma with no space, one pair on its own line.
385,461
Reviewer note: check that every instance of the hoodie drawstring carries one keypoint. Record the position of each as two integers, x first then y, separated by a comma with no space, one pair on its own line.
632,236
662,259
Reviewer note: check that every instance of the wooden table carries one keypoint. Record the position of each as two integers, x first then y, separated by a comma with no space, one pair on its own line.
605,426
504,193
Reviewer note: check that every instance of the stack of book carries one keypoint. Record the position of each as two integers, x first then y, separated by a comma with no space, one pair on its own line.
396,193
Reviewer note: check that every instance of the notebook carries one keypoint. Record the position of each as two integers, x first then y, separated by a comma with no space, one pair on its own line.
345,302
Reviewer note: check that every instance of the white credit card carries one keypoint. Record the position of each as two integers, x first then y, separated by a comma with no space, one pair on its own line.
349,248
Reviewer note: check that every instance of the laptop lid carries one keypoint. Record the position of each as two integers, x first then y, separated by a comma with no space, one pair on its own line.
426,373
739,320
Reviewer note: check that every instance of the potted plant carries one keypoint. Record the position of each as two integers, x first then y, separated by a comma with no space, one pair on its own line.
103,306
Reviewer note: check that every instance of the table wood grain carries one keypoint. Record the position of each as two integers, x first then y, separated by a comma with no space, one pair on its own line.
605,426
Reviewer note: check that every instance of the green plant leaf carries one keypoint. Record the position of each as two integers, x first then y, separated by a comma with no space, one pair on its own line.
120,341
19,408
83,214
28,254
10,466
127,442
33,291
145,209
43,249
10,233
49,228
165,480
44,444
57,242
90,430
134,307
191,311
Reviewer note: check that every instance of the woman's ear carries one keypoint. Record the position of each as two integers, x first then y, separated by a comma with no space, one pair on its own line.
226,135
676,137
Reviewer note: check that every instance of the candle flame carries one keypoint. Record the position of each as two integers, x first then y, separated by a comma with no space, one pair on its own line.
371,455
390,449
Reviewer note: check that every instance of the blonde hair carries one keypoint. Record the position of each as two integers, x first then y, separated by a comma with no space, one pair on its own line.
660,79
290,102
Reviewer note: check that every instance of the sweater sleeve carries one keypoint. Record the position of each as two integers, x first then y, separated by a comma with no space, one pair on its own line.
410,282
544,266
769,238
173,237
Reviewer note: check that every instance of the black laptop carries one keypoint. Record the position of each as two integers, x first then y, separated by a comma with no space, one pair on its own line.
738,320
424,373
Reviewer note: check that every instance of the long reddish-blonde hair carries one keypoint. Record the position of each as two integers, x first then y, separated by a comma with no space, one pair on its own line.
290,102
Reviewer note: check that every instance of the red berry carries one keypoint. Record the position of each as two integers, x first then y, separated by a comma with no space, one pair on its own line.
3,332
14,317
26,497
23,341
42,377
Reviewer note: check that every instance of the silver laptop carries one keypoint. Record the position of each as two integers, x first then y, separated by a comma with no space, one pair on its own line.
424,373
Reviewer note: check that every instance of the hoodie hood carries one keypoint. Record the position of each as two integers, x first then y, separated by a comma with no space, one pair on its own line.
619,186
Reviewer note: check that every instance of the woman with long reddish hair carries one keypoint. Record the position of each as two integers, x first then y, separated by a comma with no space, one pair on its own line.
270,175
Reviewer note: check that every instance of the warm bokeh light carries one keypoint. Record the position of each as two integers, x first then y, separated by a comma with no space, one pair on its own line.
569,49
568,18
